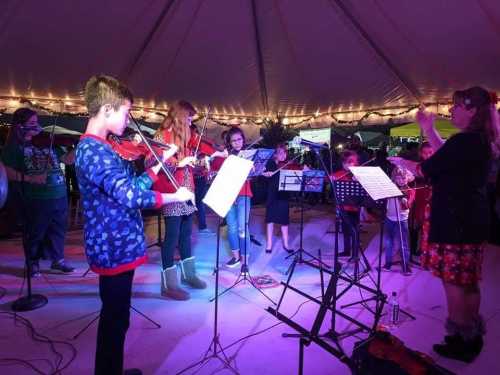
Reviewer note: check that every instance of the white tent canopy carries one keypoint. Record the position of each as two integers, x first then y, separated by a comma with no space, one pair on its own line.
253,56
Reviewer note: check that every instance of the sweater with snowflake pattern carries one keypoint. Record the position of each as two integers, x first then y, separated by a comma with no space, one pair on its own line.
112,197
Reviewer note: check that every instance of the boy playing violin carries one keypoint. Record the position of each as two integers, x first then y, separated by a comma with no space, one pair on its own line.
112,197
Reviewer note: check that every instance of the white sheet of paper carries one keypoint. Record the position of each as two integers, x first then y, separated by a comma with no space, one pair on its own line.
227,184
376,183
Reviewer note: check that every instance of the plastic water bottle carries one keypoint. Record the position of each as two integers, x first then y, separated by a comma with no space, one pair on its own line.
394,309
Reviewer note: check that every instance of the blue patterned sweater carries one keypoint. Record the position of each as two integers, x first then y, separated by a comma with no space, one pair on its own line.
111,197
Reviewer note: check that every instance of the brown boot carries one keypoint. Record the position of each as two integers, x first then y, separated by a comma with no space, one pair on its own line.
188,274
170,287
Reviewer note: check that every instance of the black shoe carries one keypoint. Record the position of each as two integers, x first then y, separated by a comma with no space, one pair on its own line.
345,254
387,267
206,231
233,262
132,371
289,251
244,270
407,272
457,348
61,266
269,251
35,269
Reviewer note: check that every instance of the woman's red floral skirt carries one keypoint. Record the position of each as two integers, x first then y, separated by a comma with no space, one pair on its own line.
454,263
458,264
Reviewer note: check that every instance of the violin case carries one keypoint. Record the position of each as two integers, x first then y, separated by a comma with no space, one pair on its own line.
383,353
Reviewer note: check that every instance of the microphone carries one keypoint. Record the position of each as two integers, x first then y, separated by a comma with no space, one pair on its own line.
300,141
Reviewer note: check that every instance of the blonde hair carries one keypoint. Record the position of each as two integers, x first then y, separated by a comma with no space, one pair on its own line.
403,173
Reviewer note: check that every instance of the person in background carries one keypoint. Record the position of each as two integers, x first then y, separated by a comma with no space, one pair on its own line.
200,174
37,179
422,200
277,206
238,215
176,130
396,221
349,213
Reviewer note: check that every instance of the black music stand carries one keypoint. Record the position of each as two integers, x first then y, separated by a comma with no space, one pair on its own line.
158,214
328,302
215,347
75,336
351,193
301,181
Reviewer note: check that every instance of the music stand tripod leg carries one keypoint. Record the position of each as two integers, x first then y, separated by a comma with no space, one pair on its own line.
244,274
215,347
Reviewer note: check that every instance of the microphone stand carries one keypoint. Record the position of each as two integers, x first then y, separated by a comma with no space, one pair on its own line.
30,301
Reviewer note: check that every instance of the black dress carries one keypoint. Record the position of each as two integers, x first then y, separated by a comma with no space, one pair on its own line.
277,207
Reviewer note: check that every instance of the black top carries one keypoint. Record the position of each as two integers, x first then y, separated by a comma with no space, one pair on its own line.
277,207
458,172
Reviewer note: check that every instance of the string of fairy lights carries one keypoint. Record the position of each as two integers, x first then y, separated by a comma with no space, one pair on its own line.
75,107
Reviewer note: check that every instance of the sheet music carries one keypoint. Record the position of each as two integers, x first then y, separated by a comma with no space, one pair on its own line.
227,184
290,180
259,156
376,183
298,180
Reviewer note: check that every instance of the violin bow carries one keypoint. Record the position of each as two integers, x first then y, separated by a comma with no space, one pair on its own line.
202,131
155,155
283,166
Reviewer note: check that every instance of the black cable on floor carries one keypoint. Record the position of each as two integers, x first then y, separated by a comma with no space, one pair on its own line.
57,366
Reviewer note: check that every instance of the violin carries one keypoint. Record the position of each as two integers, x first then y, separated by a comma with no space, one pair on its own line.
389,348
131,147
46,139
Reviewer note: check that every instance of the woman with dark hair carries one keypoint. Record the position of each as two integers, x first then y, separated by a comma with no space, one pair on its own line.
36,176
458,172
